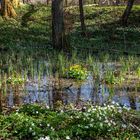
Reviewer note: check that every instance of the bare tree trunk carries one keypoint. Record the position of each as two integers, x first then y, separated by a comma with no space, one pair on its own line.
117,2
57,24
47,2
82,18
7,9
66,3
127,12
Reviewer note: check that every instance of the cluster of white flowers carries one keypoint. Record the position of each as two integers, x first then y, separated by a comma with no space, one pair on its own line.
44,138
105,115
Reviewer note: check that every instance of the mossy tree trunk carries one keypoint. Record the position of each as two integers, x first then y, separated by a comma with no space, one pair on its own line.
7,9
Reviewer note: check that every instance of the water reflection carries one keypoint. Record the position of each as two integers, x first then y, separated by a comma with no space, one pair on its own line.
48,93
43,89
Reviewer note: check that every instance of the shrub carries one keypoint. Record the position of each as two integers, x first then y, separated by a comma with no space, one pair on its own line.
76,72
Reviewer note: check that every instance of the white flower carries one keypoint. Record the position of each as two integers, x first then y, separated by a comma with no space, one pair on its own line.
101,124
124,126
113,102
86,127
120,110
67,138
128,108
91,125
89,110
41,138
33,124
47,138
106,121
109,124
52,128
47,107
114,123
48,124
92,120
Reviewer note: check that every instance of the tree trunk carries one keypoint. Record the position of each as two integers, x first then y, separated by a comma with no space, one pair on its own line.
127,12
15,3
57,24
117,2
7,9
82,18
47,2
66,3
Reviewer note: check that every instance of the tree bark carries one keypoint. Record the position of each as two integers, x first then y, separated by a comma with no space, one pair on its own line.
7,9
82,18
57,24
15,3
127,12
117,2
66,3
47,2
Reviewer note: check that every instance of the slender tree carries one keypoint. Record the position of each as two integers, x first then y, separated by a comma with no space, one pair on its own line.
57,24
82,18
127,12
47,2
66,3
117,2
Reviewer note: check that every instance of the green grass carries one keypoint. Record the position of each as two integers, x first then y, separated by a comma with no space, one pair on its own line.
34,122
32,28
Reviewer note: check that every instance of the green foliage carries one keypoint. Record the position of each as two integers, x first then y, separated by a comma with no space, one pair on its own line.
76,72
15,79
111,79
34,122
138,72
103,30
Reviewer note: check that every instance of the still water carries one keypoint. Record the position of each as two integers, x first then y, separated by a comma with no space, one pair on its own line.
48,90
